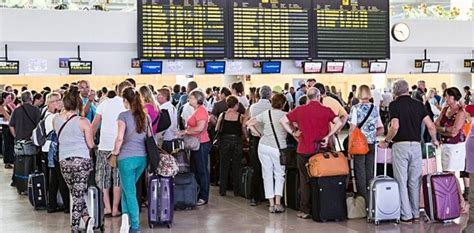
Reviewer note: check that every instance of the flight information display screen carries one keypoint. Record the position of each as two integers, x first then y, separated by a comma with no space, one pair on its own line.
270,29
351,29
181,29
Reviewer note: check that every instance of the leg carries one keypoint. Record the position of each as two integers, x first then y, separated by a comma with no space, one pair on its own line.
265,156
200,158
130,173
471,198
102,178
63,189
116,191
225,157
414,178
257,193
53,190
400,172
369,170
279,175
305,189
360,174
236,160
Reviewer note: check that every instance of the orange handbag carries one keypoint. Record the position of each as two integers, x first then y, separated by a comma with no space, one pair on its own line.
328,163
358,144
467,128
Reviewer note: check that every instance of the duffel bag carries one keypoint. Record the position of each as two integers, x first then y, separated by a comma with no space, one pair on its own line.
327,163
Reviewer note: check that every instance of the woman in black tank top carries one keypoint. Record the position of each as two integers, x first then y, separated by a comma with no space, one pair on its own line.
8,140
230,129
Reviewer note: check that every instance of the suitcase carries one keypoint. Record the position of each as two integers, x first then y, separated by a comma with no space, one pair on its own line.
440,191
160,201
24,166
37,191
95,206
381,189
328,198
245,185
180,155
431,165
215,165
186,191
291,195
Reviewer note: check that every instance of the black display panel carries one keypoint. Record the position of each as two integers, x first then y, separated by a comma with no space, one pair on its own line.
9,67
270,29
80,67
181,29
351,29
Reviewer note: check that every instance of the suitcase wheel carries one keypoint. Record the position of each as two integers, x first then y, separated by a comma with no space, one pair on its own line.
398,221
151,225
102,228
168,225
368,220
377,222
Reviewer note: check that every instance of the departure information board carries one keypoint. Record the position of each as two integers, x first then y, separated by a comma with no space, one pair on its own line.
181,29
351,29
270,29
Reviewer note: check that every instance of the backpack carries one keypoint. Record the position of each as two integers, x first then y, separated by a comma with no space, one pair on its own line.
164,121
39,135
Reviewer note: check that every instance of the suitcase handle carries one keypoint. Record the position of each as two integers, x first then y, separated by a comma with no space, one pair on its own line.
375,160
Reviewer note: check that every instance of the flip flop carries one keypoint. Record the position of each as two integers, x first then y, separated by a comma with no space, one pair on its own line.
109,215
118,215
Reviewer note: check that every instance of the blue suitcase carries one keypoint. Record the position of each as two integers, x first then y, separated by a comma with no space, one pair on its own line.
160,201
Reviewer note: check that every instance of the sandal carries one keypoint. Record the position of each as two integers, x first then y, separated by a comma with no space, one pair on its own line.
271,209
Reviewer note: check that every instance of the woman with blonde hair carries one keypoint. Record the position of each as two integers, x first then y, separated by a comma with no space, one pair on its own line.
151,105
372,128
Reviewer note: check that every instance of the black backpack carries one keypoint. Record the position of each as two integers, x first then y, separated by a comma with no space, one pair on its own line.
164,121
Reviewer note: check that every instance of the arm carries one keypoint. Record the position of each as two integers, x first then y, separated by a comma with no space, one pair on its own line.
119,138
458,125
213,120
432,129
337,126
219,122
243,122
201,124
86,128
12,131
87,108
96,123
288,126
393,130
251,125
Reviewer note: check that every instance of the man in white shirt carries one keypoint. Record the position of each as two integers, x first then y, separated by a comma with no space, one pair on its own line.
106,176
376,95
164,99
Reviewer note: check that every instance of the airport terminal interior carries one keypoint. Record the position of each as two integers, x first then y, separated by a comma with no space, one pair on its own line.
349,61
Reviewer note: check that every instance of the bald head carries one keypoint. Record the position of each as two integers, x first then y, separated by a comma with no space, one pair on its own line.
313,94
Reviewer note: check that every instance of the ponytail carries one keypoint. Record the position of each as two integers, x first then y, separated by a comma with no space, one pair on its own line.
136,107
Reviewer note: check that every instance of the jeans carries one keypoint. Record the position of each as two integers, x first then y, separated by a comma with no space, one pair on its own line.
257,192
130,170
200,159
305,188
56,182
273,172
364,171
407,169
230,153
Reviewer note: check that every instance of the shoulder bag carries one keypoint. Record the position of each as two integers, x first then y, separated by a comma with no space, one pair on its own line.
358,144
284,153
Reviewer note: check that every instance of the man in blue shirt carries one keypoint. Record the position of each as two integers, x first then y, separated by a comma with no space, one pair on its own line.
88,106
301,92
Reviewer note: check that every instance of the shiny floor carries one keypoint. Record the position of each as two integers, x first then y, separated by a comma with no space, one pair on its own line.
223,214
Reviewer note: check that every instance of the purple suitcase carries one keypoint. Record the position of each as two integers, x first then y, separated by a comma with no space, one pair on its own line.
160,201
441,195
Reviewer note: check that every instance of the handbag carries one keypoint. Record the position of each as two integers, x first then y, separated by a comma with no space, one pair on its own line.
151,149
358,144
191,142
355,203
284,153
168,166
327,163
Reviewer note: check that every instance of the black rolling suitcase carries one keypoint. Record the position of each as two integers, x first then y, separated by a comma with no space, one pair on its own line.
37,191
328,197
245,184
24,166
291,194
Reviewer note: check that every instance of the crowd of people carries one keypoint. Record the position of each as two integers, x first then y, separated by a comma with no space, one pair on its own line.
92,126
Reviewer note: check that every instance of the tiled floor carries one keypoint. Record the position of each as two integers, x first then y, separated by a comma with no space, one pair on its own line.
223,214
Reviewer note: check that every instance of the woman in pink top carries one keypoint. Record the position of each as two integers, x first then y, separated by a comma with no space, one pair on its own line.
197,126
151,106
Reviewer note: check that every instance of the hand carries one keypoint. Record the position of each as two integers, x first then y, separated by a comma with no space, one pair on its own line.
435,143
297,134
181,133
324,142
383,144
91,96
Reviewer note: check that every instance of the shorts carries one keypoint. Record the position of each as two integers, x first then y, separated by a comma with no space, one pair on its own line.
453,157
105,176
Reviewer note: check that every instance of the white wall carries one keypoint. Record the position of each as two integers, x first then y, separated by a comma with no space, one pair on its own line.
109,40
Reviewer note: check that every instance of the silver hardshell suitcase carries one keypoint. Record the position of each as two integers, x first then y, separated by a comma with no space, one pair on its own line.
384,197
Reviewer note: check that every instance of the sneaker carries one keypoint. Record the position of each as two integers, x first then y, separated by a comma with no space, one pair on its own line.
134,230
303,215
201,202
253,202
271,209
279,209
125,224
90,225
403,221
465,195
